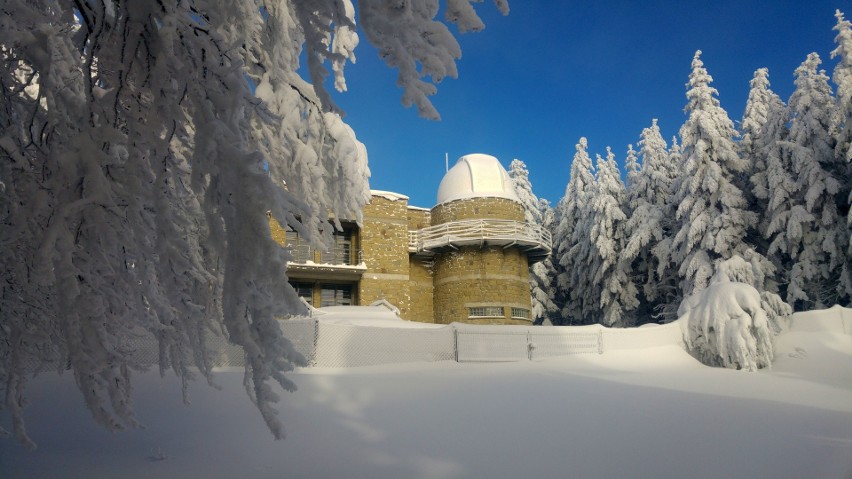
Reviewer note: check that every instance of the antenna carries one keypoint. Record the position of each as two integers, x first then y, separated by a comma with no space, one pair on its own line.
447,161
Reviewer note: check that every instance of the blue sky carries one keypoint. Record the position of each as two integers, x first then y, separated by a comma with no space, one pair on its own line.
533,82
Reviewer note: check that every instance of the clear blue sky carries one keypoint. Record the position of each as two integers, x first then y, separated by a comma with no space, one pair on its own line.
533,82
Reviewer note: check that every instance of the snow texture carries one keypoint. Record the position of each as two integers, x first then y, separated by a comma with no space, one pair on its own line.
143,144
461,420
725,325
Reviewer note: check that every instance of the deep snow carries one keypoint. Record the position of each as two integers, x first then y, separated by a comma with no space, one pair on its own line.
631,413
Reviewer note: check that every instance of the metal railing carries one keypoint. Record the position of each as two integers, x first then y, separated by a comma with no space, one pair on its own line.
339,255
466,232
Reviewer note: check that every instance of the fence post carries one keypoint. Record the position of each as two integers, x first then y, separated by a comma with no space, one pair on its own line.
313,361
530,346
456,343
600,341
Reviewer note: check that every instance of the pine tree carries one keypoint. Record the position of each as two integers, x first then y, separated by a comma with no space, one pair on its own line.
817,245
668,294
842,77
712,214
567,250
610,271
545,275
760,100
631,164
775,185
648,222
541,273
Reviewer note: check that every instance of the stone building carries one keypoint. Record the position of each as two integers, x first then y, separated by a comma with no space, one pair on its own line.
464,260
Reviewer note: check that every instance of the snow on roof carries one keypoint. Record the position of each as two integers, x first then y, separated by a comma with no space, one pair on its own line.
418,208
390,195
475,176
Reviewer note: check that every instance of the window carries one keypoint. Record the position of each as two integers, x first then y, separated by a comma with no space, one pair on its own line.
520,313
336,295
485,312
305,290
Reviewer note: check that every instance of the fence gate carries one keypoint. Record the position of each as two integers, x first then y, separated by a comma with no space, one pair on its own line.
498,343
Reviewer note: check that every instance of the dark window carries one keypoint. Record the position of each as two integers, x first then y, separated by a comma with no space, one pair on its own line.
305,290
336,295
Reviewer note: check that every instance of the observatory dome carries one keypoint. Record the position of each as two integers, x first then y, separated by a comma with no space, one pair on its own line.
475,176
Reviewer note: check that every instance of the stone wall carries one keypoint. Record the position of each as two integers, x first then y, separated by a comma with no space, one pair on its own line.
477,208
474,277
277,231
384,247
420,273
480,277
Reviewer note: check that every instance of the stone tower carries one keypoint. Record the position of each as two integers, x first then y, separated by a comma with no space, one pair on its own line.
482,247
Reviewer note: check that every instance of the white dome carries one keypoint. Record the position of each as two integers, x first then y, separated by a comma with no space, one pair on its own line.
476,176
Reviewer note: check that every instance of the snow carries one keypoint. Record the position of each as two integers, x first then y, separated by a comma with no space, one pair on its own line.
475,176
650,412
389,195
370,316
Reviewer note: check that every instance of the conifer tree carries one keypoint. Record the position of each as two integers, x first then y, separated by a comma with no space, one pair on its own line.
567,251
760,100
610,271
712,213
541,275
649,221
817,245
842,77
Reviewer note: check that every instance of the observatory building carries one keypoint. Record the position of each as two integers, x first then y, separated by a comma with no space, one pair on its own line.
464,260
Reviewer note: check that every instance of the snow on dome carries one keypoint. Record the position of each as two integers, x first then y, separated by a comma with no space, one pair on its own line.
475,176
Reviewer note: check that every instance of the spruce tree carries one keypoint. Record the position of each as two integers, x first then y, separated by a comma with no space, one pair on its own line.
842,77
541,274
712,214
609,270
566,249
649,220
817,246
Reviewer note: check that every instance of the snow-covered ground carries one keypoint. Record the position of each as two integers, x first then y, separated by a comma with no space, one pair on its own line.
644,413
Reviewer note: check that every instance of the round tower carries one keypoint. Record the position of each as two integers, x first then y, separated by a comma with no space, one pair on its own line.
482,247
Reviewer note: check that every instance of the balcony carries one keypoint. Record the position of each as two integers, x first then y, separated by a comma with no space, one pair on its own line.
533,239
340,262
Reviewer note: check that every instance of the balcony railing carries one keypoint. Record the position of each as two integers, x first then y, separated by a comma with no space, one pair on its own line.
532,237
339,255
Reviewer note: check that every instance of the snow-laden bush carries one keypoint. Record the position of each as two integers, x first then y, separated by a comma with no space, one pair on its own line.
753,269
726,325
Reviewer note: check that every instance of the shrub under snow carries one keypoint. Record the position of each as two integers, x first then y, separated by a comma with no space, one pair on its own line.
725,325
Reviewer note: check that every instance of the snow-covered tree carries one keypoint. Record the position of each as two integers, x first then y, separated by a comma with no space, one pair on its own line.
760,100
633,168
712,214
133,191
568,253
608,269
725,324
651,214
545,275
541,273
817,244
775,186
842,77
